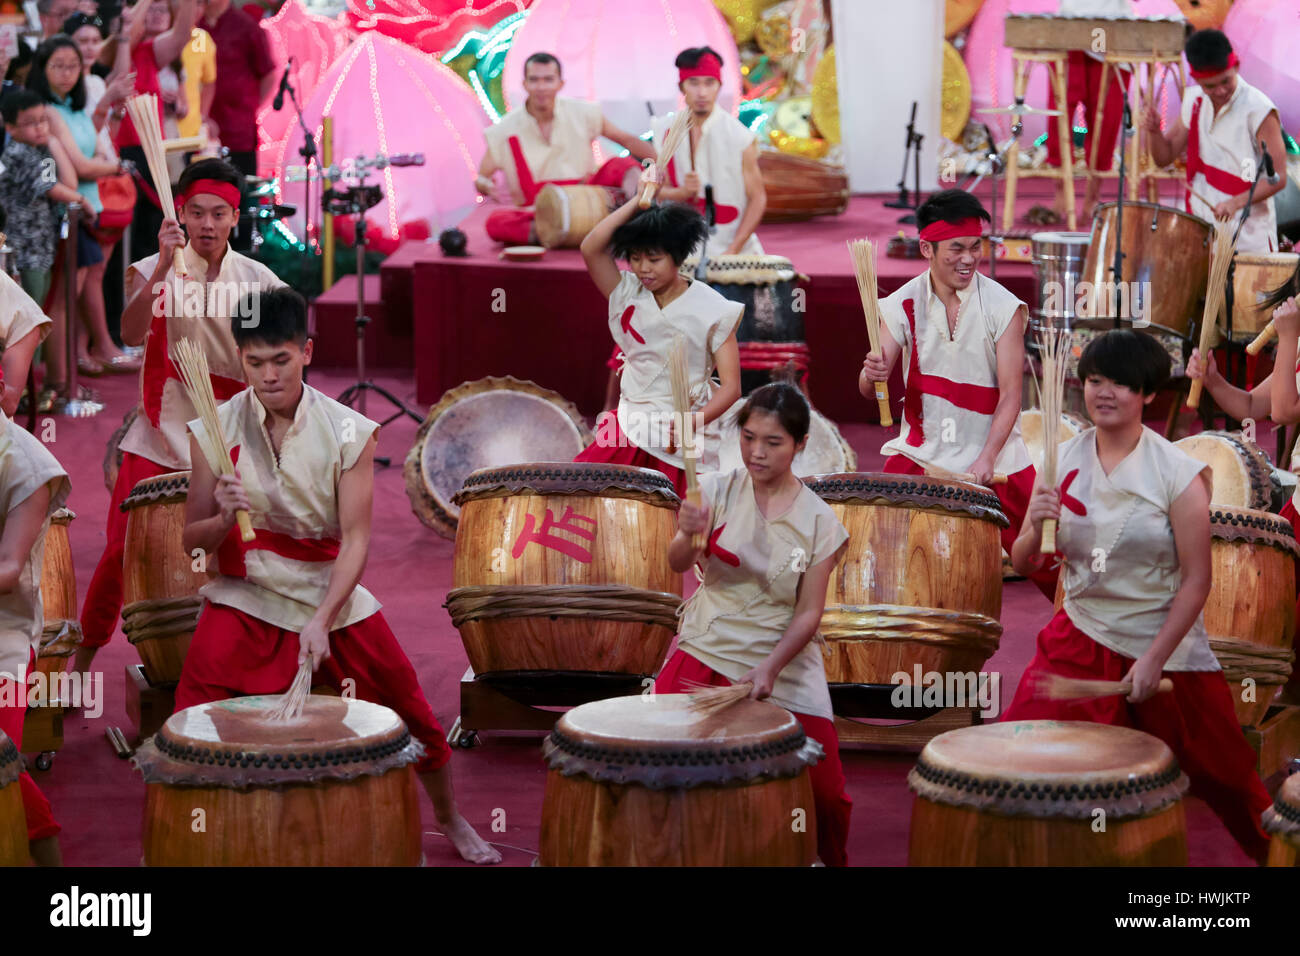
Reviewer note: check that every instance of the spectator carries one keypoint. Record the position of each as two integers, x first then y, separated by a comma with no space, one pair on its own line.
199,63
53,13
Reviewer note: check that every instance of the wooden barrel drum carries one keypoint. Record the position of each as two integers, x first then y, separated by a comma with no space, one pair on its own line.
564,567
799,188
1241,470
160,586
1282,820
13,819
921,582
334,787
565,214
1254,277
62,633
1031,793
645,781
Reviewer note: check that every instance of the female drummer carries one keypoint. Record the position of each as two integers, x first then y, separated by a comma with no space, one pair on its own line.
648,308
770,547
1135,539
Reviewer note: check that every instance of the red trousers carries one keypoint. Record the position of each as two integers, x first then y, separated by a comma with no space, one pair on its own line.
617,450
1014,496
830,800
1083,85
234,654
515,226
40,820
1292,688
103,605
1196,720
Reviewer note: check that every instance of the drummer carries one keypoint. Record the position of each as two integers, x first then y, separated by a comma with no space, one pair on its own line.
770,547
306,478
721,152
964,335
549,140
1219,131
23,326
32,487
207,201
648,307
1135,537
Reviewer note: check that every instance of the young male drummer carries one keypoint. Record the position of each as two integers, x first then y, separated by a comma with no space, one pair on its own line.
159,313
305,468
550,140
1220,130
720,152
32,487
964,337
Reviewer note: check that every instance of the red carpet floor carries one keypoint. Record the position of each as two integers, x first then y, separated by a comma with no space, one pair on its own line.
99,799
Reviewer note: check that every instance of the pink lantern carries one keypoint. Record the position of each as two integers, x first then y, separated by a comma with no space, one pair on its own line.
621,54
314,43
1266,35
433,26
387,97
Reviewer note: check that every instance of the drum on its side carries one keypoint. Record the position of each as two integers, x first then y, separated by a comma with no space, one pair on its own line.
1031,431
826,453
334,787
563,566
565,214
1255,275
1250,612
1166,265
1282,820
1027,794
799,188
1242,471
13,819
645,781
160,588
485,424
1058,266
921,581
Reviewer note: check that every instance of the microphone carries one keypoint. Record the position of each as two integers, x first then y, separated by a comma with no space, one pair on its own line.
710,210
1269,171
278,103
406,159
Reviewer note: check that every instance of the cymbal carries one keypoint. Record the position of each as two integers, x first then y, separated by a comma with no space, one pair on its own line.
1020,109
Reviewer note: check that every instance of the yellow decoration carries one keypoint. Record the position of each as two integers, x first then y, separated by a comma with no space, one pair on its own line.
1205,14
826,97
958,15
773,33
742,16
808,147
956,96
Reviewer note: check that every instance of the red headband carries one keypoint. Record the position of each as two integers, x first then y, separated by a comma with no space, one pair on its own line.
213,187
939,231
1233,60
707,65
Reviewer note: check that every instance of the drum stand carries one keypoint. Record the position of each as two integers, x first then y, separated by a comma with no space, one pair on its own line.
912,150
854,703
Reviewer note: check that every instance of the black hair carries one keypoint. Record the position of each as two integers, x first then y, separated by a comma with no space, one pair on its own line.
213,168
1208,50
544,59
783,400
950,205
273,317
18,61
1129,358
692,55
15,101
673,228
37,80
1289,288
79,20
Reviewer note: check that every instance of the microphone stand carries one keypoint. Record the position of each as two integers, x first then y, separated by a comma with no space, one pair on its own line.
1117,264
308,152
995,166
710,217
911,150
1261,167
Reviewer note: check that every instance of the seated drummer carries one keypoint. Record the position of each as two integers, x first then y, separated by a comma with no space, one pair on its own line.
1134,537
770,545
965,340
721,152
32,487
1219,130
306,477
549,141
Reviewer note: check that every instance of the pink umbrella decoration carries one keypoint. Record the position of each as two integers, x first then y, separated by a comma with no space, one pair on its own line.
1266,35
387,97
314,43
433,26
621,54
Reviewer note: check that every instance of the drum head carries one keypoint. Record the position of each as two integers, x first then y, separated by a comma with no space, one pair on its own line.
1031,431
486,424
162,489
1242,471
826,452
742,269
1284,816
910,491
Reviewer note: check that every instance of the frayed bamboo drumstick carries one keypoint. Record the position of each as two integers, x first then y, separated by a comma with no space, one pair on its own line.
686,439
192,363
1266,334
672,139
1224,245
294,699
864,266
935,471
708,701
1056,687
1054,350
143,108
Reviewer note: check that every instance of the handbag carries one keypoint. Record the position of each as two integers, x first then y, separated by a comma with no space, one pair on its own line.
118,195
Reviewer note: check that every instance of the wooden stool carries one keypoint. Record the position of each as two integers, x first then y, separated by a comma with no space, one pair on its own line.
1140,165
1055,61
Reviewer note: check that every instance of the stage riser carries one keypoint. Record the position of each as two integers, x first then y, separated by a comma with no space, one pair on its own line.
389,342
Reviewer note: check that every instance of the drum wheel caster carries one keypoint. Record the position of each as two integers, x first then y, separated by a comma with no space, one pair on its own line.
45,760
458,736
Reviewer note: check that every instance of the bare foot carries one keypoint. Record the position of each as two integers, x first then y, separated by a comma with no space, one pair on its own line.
467,842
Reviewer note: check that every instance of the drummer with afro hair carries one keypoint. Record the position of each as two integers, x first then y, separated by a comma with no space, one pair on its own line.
650,306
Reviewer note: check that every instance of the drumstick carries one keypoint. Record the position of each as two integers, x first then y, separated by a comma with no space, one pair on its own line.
672,139
864,266
1224,244
192,363
294,699
708,701
936,472
1054,345
1266,335
682,406
143,108
1055,687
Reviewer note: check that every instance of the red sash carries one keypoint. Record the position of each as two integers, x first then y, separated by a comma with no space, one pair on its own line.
158,368
722,214
527,185
982,399
1220,179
